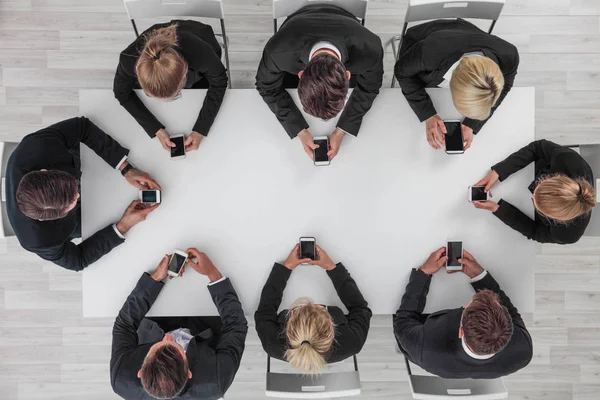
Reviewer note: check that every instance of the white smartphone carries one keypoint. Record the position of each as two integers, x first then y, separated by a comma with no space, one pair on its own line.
453,137
177,261
149,196
478,193
308,248
320,154
454,251
178,152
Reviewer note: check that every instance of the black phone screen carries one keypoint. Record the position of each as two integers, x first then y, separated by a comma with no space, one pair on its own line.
478,193
176,263
148,196
307,249
454,139
179,149
321,152
454,250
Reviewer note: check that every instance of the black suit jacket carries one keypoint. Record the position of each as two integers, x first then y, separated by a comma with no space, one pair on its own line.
429,50
550,159
213,366
198,46
287,52
432,342
350,330
57,147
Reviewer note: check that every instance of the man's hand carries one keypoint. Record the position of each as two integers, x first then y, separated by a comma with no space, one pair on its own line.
307,142
436,260
323,260
165,139
293,259
467,134
487,205
160,272
202,264
488,181
135,213
192,142
435,129
470,266
140,179
335,141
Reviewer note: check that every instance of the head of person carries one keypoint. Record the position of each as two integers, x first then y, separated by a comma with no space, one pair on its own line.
323,86
47,195
562,199
161,71
486,326
476,85
310,333
165,370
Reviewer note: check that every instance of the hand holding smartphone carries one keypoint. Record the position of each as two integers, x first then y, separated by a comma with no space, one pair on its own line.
178,152
320,154
478,193
454,138
308,248
149,196
454,251
176,263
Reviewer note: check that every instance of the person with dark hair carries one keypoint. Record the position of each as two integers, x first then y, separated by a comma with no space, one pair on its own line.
162,61
321,49
177,357
486,339
42,193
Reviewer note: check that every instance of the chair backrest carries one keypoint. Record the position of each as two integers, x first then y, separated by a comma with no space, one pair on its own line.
6,149
422,10
591,154
174,8
283,8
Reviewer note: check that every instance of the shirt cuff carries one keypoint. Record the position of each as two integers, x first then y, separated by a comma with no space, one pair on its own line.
219,281
119,234
478,277
121,163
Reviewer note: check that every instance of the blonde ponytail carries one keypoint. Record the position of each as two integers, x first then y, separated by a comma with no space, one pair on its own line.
562,198
160,69
310,332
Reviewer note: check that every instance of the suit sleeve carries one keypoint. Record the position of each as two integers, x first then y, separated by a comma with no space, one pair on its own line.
363,95
269,83
537,150
230,347
265,316
408,325
124,334
359,314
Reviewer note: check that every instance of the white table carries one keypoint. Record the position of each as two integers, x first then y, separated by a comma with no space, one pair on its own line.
383,205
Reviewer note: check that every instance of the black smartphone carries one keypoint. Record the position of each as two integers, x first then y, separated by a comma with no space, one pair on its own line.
320,153
454,139
477,193
454,251
177,152
308,248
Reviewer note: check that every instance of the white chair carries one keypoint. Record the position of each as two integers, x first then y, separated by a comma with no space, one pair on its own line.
181,8
6,149
424,10
323,386
284,8
425,387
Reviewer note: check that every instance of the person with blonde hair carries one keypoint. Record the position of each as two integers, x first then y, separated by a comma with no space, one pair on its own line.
162,61
563,193
479,69
309,335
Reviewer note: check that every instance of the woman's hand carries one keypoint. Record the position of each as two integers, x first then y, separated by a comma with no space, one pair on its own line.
435,129
293,260
165,140
487,205
488,181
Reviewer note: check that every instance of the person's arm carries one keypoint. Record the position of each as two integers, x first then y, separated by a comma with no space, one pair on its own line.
123,86
363,95
269,83
539,149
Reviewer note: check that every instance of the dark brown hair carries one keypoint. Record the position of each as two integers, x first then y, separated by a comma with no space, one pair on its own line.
486,323
323,87
164,373
46,195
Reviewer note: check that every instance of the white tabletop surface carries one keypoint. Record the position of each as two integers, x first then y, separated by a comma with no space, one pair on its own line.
383,205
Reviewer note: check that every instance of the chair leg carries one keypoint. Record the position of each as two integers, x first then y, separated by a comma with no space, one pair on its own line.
396,50
135,28
274,26
226,48
492,26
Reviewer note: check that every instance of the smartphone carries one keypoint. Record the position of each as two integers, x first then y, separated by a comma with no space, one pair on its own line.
453,138
454,251
320,154
150,196
178,152
308,248
177,261
478,193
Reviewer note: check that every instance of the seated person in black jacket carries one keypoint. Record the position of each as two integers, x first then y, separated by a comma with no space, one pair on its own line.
563,193
42,190
309,335
177,357
486,339
324,46
479,69
165,59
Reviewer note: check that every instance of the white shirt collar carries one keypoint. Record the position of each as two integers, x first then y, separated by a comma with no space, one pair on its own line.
448,75
324,45
473,355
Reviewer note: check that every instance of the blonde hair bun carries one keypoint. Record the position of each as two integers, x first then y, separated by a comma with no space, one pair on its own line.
562,198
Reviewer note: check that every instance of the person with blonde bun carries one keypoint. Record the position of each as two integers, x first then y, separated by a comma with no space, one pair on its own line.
478,68
563,193
162,61
309,335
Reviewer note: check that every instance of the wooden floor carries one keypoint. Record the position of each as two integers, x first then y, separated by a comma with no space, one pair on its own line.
49,49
